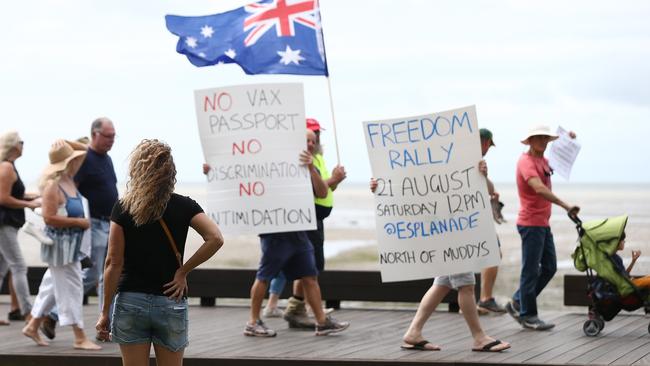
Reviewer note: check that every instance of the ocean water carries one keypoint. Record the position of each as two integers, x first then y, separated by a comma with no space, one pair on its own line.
351,226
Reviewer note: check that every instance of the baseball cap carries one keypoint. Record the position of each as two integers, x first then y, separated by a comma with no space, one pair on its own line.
313,125
487,134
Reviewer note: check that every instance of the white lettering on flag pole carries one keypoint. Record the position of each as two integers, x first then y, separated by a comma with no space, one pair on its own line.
432,207
252,136
563,154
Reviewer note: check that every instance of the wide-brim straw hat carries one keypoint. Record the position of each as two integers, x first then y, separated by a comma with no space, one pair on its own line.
61,154
541,130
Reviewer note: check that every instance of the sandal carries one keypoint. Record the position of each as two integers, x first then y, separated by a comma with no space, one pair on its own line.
420,346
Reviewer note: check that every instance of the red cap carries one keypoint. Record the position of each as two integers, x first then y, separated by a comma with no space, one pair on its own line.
313,125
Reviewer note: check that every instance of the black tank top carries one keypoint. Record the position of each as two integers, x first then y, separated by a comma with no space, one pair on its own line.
14,216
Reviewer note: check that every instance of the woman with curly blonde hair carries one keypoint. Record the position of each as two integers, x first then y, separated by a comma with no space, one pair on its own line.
145,255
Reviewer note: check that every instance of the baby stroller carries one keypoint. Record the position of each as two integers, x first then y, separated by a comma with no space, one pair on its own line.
610,290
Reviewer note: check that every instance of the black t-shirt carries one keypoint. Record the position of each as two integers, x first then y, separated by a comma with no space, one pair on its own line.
14,216
149,260
97,182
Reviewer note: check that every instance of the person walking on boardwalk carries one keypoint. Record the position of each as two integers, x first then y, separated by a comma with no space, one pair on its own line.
13,201
145,266
96,180
487,303
464,284
296,313
67,222
293,254
538,258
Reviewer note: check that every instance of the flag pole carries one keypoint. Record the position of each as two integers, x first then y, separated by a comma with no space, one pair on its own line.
329,86
336,140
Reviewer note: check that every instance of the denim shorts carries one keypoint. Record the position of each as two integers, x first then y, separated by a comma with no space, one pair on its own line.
145,318
456,281
290,252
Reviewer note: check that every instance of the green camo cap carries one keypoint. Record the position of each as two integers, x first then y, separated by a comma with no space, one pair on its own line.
487,134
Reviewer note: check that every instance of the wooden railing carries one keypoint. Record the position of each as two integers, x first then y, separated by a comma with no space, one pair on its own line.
336,286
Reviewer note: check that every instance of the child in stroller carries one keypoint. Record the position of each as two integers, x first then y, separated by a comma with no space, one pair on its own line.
611,289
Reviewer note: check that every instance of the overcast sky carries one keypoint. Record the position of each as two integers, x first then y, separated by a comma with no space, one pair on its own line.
580,64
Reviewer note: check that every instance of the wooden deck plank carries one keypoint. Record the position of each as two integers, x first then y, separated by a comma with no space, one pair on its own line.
634,355
581,347
373,339
621,346
630,331
525,343
573,340
306,337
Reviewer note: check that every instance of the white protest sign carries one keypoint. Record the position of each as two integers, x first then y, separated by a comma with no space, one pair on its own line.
432,206
252,136
563,154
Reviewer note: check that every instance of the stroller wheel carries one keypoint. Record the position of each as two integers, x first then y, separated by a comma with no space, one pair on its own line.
601,324
591,328
648,328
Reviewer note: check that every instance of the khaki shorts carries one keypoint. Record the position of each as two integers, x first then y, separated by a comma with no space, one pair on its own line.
456,281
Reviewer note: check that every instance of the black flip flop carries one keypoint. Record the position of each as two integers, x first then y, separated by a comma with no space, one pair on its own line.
488,347
420,346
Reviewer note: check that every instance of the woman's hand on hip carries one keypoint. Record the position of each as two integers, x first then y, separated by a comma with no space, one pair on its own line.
177,288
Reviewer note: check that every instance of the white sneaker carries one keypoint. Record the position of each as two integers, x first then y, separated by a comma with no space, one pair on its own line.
272,313
31,229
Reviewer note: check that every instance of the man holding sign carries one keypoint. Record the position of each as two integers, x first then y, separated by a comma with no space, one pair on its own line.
464,284
433,212
292,254
251,135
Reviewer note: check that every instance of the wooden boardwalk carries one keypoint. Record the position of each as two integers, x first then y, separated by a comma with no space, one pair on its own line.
373,339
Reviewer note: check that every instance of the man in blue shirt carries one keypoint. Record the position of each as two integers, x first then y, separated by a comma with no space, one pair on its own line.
97,182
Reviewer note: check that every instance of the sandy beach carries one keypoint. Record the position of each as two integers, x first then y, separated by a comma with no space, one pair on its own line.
351,239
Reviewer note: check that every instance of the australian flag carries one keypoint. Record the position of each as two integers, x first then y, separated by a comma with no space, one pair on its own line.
267,37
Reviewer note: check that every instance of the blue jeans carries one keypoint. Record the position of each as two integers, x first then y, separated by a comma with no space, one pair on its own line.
145,318
94,276
538,265
277,284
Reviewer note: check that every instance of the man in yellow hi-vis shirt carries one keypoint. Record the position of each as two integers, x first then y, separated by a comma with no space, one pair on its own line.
295,313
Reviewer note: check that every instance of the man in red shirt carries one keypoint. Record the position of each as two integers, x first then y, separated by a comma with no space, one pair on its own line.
538,259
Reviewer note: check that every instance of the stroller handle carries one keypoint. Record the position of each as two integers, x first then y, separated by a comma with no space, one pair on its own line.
574,217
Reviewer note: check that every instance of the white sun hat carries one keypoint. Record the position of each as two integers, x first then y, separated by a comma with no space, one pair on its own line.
542,130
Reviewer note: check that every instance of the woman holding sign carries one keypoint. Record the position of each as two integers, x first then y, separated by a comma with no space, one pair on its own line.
464,284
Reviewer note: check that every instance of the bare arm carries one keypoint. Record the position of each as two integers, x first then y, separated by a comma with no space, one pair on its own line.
213,241
635,255
112,272
482,168
52,198
114,264
318,184
7,179
338,175
539,187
